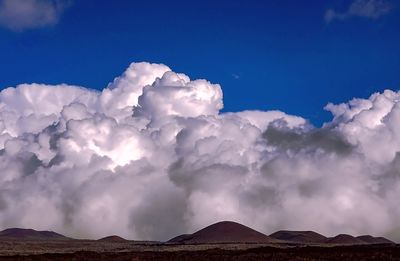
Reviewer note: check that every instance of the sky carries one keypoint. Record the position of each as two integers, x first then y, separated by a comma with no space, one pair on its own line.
152,119
282,55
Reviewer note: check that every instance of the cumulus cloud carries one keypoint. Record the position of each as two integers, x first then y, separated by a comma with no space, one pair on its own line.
371,9
151,156
20,15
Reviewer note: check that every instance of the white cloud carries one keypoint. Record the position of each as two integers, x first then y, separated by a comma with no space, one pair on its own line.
371,9
20,15
151,156
235,76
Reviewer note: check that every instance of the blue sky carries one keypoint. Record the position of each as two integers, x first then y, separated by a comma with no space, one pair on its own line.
294,56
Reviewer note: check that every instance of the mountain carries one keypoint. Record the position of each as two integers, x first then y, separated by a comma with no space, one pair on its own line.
375,240
344,239
112,238
179,238
224,232
299,236
29,234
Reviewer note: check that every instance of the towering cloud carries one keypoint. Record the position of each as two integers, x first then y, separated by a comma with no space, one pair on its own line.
151,156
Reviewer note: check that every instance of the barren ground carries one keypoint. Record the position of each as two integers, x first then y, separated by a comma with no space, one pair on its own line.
133,250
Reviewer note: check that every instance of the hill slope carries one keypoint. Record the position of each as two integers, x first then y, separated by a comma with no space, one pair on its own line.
299,236
375,240
224,232
112,238
344,239
29,234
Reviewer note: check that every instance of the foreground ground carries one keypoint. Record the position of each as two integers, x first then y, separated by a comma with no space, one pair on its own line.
131,250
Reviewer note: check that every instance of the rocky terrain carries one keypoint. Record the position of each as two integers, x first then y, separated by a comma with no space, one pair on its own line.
221,241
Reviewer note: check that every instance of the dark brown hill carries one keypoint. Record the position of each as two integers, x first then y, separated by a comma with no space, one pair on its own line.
112,238
344,239
179,238
375,240
224,232
29,234
299,236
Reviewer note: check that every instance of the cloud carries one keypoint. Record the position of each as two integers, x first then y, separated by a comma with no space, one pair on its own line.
20,15
151,156
372,9
235,76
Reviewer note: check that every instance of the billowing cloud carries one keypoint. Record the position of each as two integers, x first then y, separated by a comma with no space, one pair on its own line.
19,15
371,9
151,156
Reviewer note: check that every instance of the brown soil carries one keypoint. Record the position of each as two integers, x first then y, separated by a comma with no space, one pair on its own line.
342,253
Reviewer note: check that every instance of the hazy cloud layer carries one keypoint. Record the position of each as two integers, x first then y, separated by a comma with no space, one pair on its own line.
19,15
372,9
151,156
